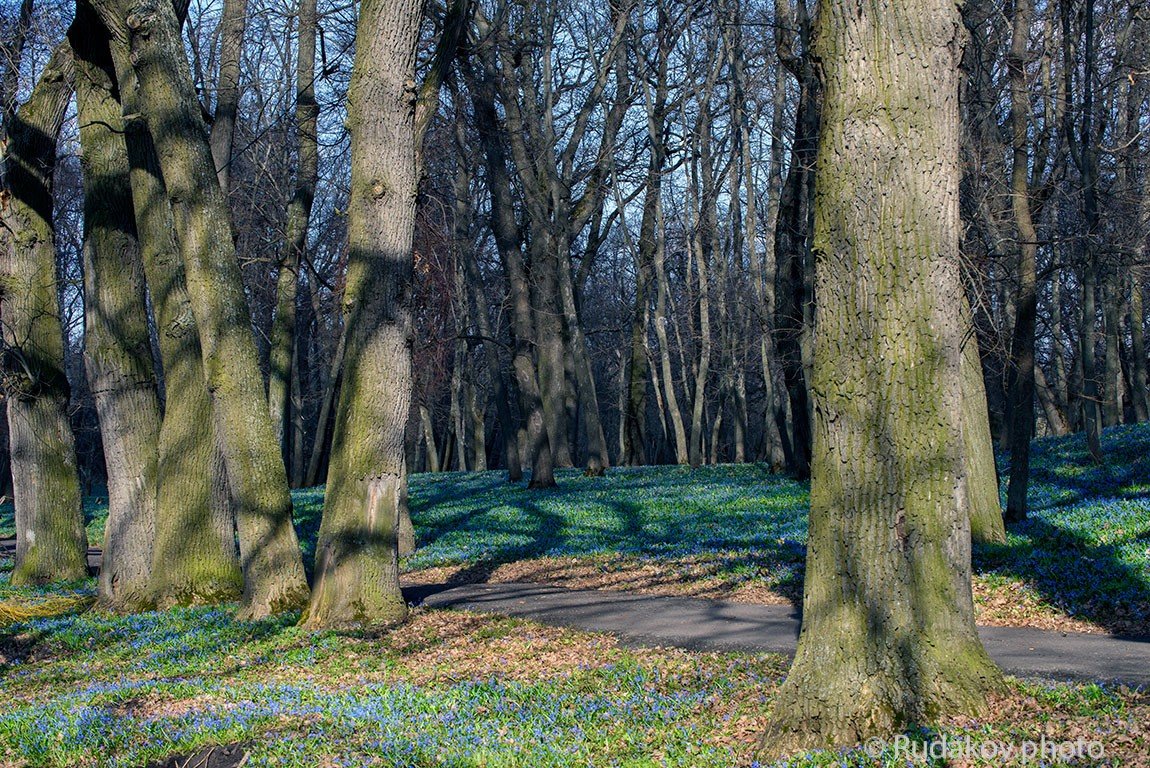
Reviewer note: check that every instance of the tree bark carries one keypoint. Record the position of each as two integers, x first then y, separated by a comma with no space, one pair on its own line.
117,347
50,540
357,571
508,240
283,335
888,637
269,551
223,133
1022,362
194,558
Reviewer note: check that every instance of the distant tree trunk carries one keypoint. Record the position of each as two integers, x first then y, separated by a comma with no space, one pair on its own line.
986,523
792,234
283,334
118,352
273,569
1055,419
1021,373
888,637
662,299
223,132
357,571
194,557
321,447
1139,386
1088,166
50,540
508,240
508,431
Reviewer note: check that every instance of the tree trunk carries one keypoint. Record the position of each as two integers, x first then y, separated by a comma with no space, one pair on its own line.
1139,388
986,523
223,133
508,241
357,571
283,335
50,540
269,551
117,347
888,637
508,431
194,558
1022,362
792,234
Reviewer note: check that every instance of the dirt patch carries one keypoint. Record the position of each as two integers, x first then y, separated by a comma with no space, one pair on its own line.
228,756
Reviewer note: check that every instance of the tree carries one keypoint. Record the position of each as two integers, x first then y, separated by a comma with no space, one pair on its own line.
269,551
282,360
118,350
357,572
888,636
50,539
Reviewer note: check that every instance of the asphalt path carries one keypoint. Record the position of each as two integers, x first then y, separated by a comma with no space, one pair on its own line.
715,625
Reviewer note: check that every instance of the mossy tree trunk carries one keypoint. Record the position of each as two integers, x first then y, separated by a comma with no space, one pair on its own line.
888,637
117,348
283,336
194,557
50,539
269,551
357,572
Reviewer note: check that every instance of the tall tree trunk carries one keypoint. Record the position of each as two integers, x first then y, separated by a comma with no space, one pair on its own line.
888,637
283,335
792,234
269,551
50,539
1088,166
662,300
508,241
223,132
1022,362
194,557
508,431
117,347
357,571
1055,420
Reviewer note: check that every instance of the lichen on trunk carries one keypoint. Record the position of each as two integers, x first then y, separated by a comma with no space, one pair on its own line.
888,637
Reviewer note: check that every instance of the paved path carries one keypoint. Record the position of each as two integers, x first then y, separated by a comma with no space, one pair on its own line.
714,625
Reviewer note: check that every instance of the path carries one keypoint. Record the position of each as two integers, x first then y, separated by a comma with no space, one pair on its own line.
713,625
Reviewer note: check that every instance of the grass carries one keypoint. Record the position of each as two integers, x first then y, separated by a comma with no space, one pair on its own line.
448,689
454,689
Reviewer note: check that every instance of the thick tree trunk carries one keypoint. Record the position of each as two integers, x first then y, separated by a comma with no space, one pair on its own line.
1021,372
357,571
50,540
194,558
888,637
283,336
117,347
269,551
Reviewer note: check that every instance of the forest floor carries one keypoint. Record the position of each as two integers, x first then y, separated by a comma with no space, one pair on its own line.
453,688
736,532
